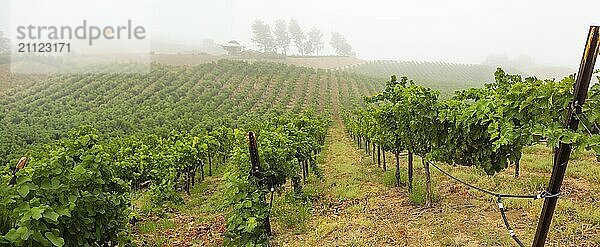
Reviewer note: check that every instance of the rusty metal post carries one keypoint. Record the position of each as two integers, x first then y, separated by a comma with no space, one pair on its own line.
256,171
562,153
20,165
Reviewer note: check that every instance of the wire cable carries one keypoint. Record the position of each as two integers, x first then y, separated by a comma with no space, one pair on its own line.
495,194
499,197
583,123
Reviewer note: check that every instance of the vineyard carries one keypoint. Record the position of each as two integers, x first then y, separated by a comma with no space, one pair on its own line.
10,82
444,77
182,98
240,153
108,149
486,128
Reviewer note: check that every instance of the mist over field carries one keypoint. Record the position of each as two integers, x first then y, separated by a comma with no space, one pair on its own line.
543,32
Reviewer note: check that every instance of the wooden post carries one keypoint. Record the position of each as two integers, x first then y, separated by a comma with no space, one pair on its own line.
397,169
427,182
378,156
563,152
303,172
306,167
384,165
194,170
410,171
201,170
187,182
296,184
373,152
256,170
209,164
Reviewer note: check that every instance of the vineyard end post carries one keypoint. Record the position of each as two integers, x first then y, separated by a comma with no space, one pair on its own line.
562,153
20,165
256,171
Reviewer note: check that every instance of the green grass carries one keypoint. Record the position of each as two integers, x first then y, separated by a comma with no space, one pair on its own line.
491,239
419,192
203,205
207,198
581,165
389,177
347,190
293,211
153,226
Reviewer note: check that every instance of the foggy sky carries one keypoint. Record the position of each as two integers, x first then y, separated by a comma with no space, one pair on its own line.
551,32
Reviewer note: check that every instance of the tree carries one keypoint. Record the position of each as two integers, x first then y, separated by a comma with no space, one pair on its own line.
315,36
262,37
282,37
4,44
309,47
341,46
298,36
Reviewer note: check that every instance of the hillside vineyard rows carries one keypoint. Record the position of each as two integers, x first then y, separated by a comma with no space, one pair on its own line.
168,158
181,98
444,77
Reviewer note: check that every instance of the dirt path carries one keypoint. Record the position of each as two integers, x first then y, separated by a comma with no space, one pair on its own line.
335,97
355,208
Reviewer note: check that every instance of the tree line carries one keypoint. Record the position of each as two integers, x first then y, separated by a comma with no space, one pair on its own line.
284,35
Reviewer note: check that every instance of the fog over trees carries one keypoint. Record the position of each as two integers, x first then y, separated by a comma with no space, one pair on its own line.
305,43
4,44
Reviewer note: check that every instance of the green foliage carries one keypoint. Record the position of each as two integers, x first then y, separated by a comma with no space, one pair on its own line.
35,110
165,163
155,130
297,35
246,220
282,37
163,193
418,193
69,196
485,127
282,143
293,210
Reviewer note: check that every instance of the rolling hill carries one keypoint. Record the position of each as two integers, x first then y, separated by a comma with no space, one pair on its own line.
445,77
169,98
